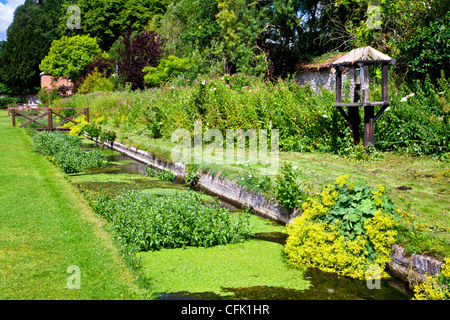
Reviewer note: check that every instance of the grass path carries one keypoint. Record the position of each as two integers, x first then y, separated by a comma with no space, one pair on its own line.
45,227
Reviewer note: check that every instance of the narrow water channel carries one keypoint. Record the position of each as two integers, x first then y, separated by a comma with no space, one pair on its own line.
324,286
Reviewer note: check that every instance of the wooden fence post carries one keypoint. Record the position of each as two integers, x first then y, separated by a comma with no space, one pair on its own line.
50,120
368,111
384,83
13,113
338,85
87,114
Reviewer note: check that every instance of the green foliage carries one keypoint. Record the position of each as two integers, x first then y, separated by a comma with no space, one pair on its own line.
4,89
48,96
349,229
153,222
5,100
242,23
150,171
417,120
307,121
166,70
108,20
346,148
428,50
96,82
414,32
252,37
92,129
69,56
25,49
108,136
191,31
192,174
288,191
65,151
29,37
166,175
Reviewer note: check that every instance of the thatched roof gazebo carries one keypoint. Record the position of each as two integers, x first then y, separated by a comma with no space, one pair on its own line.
361,59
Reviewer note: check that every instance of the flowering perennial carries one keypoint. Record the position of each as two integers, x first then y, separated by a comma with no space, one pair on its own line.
435,287
348,228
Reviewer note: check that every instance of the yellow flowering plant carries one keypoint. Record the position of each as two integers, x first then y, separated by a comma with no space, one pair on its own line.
435,287
347,228
77,130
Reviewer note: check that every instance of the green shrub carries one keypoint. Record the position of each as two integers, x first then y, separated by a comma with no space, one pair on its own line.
48,96
166,175
417,120
92,130
108,135
288,191
65,151
192,174
166,70
151,222
96,82
347,149
150,171
5,100
349,229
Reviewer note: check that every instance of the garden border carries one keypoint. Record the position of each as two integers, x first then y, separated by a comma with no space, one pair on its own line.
410,269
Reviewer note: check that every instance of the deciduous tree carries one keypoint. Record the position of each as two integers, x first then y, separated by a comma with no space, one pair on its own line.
69,56
106,20
138,51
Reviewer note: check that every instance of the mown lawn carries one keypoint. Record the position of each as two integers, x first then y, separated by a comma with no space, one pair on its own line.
45,227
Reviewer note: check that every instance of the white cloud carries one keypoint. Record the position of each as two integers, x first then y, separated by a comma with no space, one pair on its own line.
7,14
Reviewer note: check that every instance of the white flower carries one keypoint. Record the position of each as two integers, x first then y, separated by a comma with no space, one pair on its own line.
203,82
406,98
325,116
294,167
250,176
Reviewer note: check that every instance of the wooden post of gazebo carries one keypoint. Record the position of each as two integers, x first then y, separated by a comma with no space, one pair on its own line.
361,58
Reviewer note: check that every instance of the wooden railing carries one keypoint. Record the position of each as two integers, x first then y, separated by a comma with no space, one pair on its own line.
34,114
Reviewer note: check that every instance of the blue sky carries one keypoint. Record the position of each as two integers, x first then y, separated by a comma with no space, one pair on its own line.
7,8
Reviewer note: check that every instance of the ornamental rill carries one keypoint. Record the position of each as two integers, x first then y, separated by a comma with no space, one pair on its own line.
348,228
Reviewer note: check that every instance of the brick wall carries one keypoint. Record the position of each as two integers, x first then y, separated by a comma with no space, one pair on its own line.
53,83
